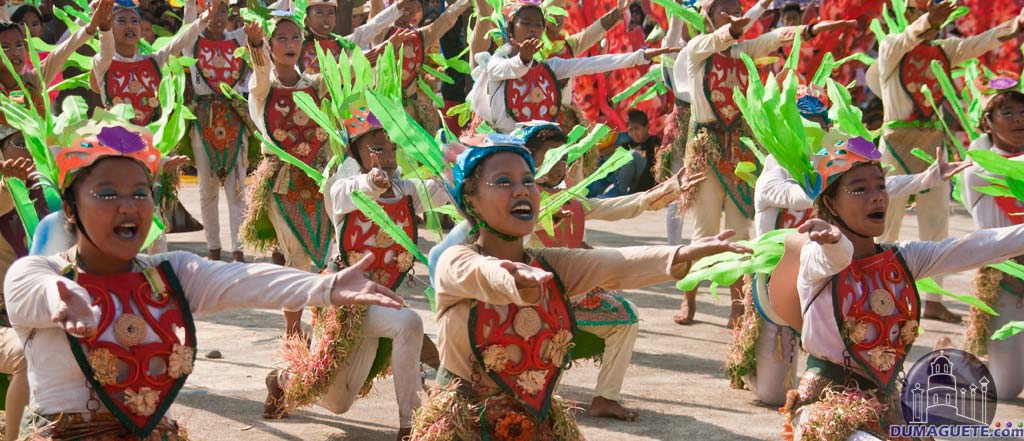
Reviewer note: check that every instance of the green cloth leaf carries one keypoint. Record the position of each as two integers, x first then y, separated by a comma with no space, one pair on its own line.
651,76
24,207
690,16
437,74
376,213
426,89
409,136
747,171
618,159
930,285
1009,330
1010,267
288,158
724,269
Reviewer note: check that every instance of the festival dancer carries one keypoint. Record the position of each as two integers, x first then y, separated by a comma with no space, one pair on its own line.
74,351
669,157
219,140
284,196
416,51
602,313
853,364
1002,123
780,202
121,75
713,70
506,323
510,86
374,154
903,67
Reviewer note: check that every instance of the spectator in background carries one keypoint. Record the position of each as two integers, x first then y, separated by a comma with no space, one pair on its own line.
147,27
28,15
791,14
620,182
235,20
642,143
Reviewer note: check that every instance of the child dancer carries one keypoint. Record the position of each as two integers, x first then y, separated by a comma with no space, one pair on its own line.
74,351
605,314
415,52
284,193
374,153
863,347
506,323
512,87
1002,124
713,71
219,139
903,66
121,75
780,202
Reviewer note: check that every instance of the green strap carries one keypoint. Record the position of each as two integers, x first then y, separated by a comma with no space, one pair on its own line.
934,124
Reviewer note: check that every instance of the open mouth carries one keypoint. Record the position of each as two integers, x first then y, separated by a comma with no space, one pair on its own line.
126,231
523,210
877,216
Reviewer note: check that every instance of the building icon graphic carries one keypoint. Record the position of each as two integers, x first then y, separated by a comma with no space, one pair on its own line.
944,396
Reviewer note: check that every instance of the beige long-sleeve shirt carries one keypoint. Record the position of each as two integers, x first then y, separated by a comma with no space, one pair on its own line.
263,79
464,276
703,46
55,380
884,75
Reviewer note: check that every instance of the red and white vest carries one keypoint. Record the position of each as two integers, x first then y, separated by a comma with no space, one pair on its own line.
524,348
217,64
308,62
535,96
877,308
722,75
916,72
145,344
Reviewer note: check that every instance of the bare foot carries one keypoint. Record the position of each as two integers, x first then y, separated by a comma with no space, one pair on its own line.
214,254
601,407
403,433
238,256
938,311
273,406
687,309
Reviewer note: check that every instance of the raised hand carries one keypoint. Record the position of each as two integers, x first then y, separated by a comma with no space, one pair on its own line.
527,49
173,162
709,246
821,231
688,182
102,16
378,177
401,36
254,33
19,168
351,287
650,54
74,313
939,13
949,169
737,26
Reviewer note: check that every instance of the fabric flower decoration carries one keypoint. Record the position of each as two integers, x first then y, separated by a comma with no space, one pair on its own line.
181,361
532,381
104,366
495,358
142,402
909,332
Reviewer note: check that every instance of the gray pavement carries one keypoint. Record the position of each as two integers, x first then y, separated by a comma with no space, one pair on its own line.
676,380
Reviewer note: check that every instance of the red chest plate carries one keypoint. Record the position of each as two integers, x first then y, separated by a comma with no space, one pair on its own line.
144,348
1013,208
524,348
535,96
290,127
877,307
568,232
793,218
308,62
135,83
360,235
722,75
217,64
916,72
